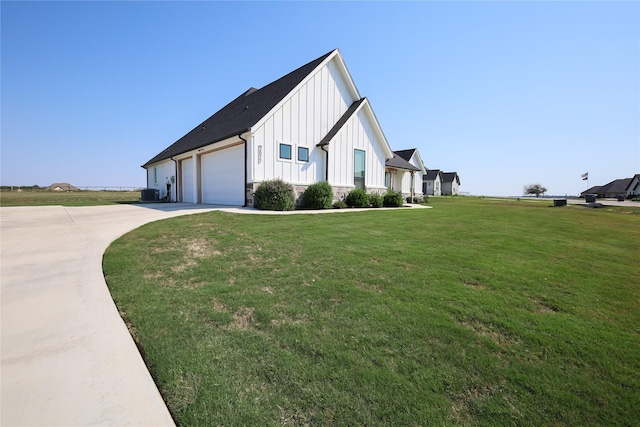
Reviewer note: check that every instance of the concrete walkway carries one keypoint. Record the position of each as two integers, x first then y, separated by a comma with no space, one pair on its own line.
67,358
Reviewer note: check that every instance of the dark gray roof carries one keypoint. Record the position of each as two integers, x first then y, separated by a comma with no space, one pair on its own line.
341,122
450,176
239,115
617,186
400,163
593,190
406,154
432,174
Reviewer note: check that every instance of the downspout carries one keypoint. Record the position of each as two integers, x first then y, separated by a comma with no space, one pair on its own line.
176,176
326,171
245,169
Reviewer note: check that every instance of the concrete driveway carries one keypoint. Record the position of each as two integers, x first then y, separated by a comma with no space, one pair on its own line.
67,358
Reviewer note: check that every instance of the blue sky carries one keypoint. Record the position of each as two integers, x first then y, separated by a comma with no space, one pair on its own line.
504,93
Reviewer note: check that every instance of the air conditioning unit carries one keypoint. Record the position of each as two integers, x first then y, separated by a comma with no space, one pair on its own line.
150,195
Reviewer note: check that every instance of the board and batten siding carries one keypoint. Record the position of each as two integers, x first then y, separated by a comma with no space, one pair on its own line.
356,134
302,120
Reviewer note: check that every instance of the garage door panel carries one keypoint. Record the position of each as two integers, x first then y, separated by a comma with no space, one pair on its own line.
223,177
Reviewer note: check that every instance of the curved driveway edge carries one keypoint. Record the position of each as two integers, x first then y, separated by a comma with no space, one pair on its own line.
67,358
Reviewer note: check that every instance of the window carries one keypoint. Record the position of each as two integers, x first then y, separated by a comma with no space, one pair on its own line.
303,154
155,175
387,179
358,168
285,151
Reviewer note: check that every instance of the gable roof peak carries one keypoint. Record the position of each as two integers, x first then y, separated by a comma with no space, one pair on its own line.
406,154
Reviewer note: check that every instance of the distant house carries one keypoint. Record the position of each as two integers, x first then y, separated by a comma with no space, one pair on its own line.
404,172
625,187
432,182
450,183
62,186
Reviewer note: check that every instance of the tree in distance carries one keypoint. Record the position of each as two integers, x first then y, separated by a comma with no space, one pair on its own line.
536,189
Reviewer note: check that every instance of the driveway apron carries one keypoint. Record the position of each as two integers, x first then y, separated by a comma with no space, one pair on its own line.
67,358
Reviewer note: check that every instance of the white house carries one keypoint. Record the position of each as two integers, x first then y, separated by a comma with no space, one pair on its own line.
404,172
450,183
432,182
308,126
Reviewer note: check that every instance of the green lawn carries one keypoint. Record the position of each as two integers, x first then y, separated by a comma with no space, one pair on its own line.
476,312
67,198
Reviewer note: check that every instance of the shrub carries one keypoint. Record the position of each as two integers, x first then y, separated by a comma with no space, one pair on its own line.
376,200
357,198
393,198
275,195
339,205
318,196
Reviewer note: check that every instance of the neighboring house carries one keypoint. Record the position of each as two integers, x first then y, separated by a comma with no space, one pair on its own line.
626,187
308,126
592,190
62,186
432,183
450,183
404,173
633,189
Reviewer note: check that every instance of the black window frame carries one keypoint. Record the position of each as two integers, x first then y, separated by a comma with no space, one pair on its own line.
359,181
280,147
306,152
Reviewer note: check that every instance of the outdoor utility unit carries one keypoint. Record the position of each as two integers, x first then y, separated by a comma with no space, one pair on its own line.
150,195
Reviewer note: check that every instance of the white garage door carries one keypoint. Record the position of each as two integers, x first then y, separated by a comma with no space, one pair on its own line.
187,181
223,177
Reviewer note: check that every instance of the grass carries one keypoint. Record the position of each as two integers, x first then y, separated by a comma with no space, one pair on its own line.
67,198
477,312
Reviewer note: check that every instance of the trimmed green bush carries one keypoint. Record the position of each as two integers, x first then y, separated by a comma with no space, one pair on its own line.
275,195
393,198
376,200
318,196
340,204
357,198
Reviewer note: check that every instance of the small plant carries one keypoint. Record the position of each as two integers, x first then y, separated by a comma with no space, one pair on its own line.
357,198
376,200
318,196
393,198
275,195
340,204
